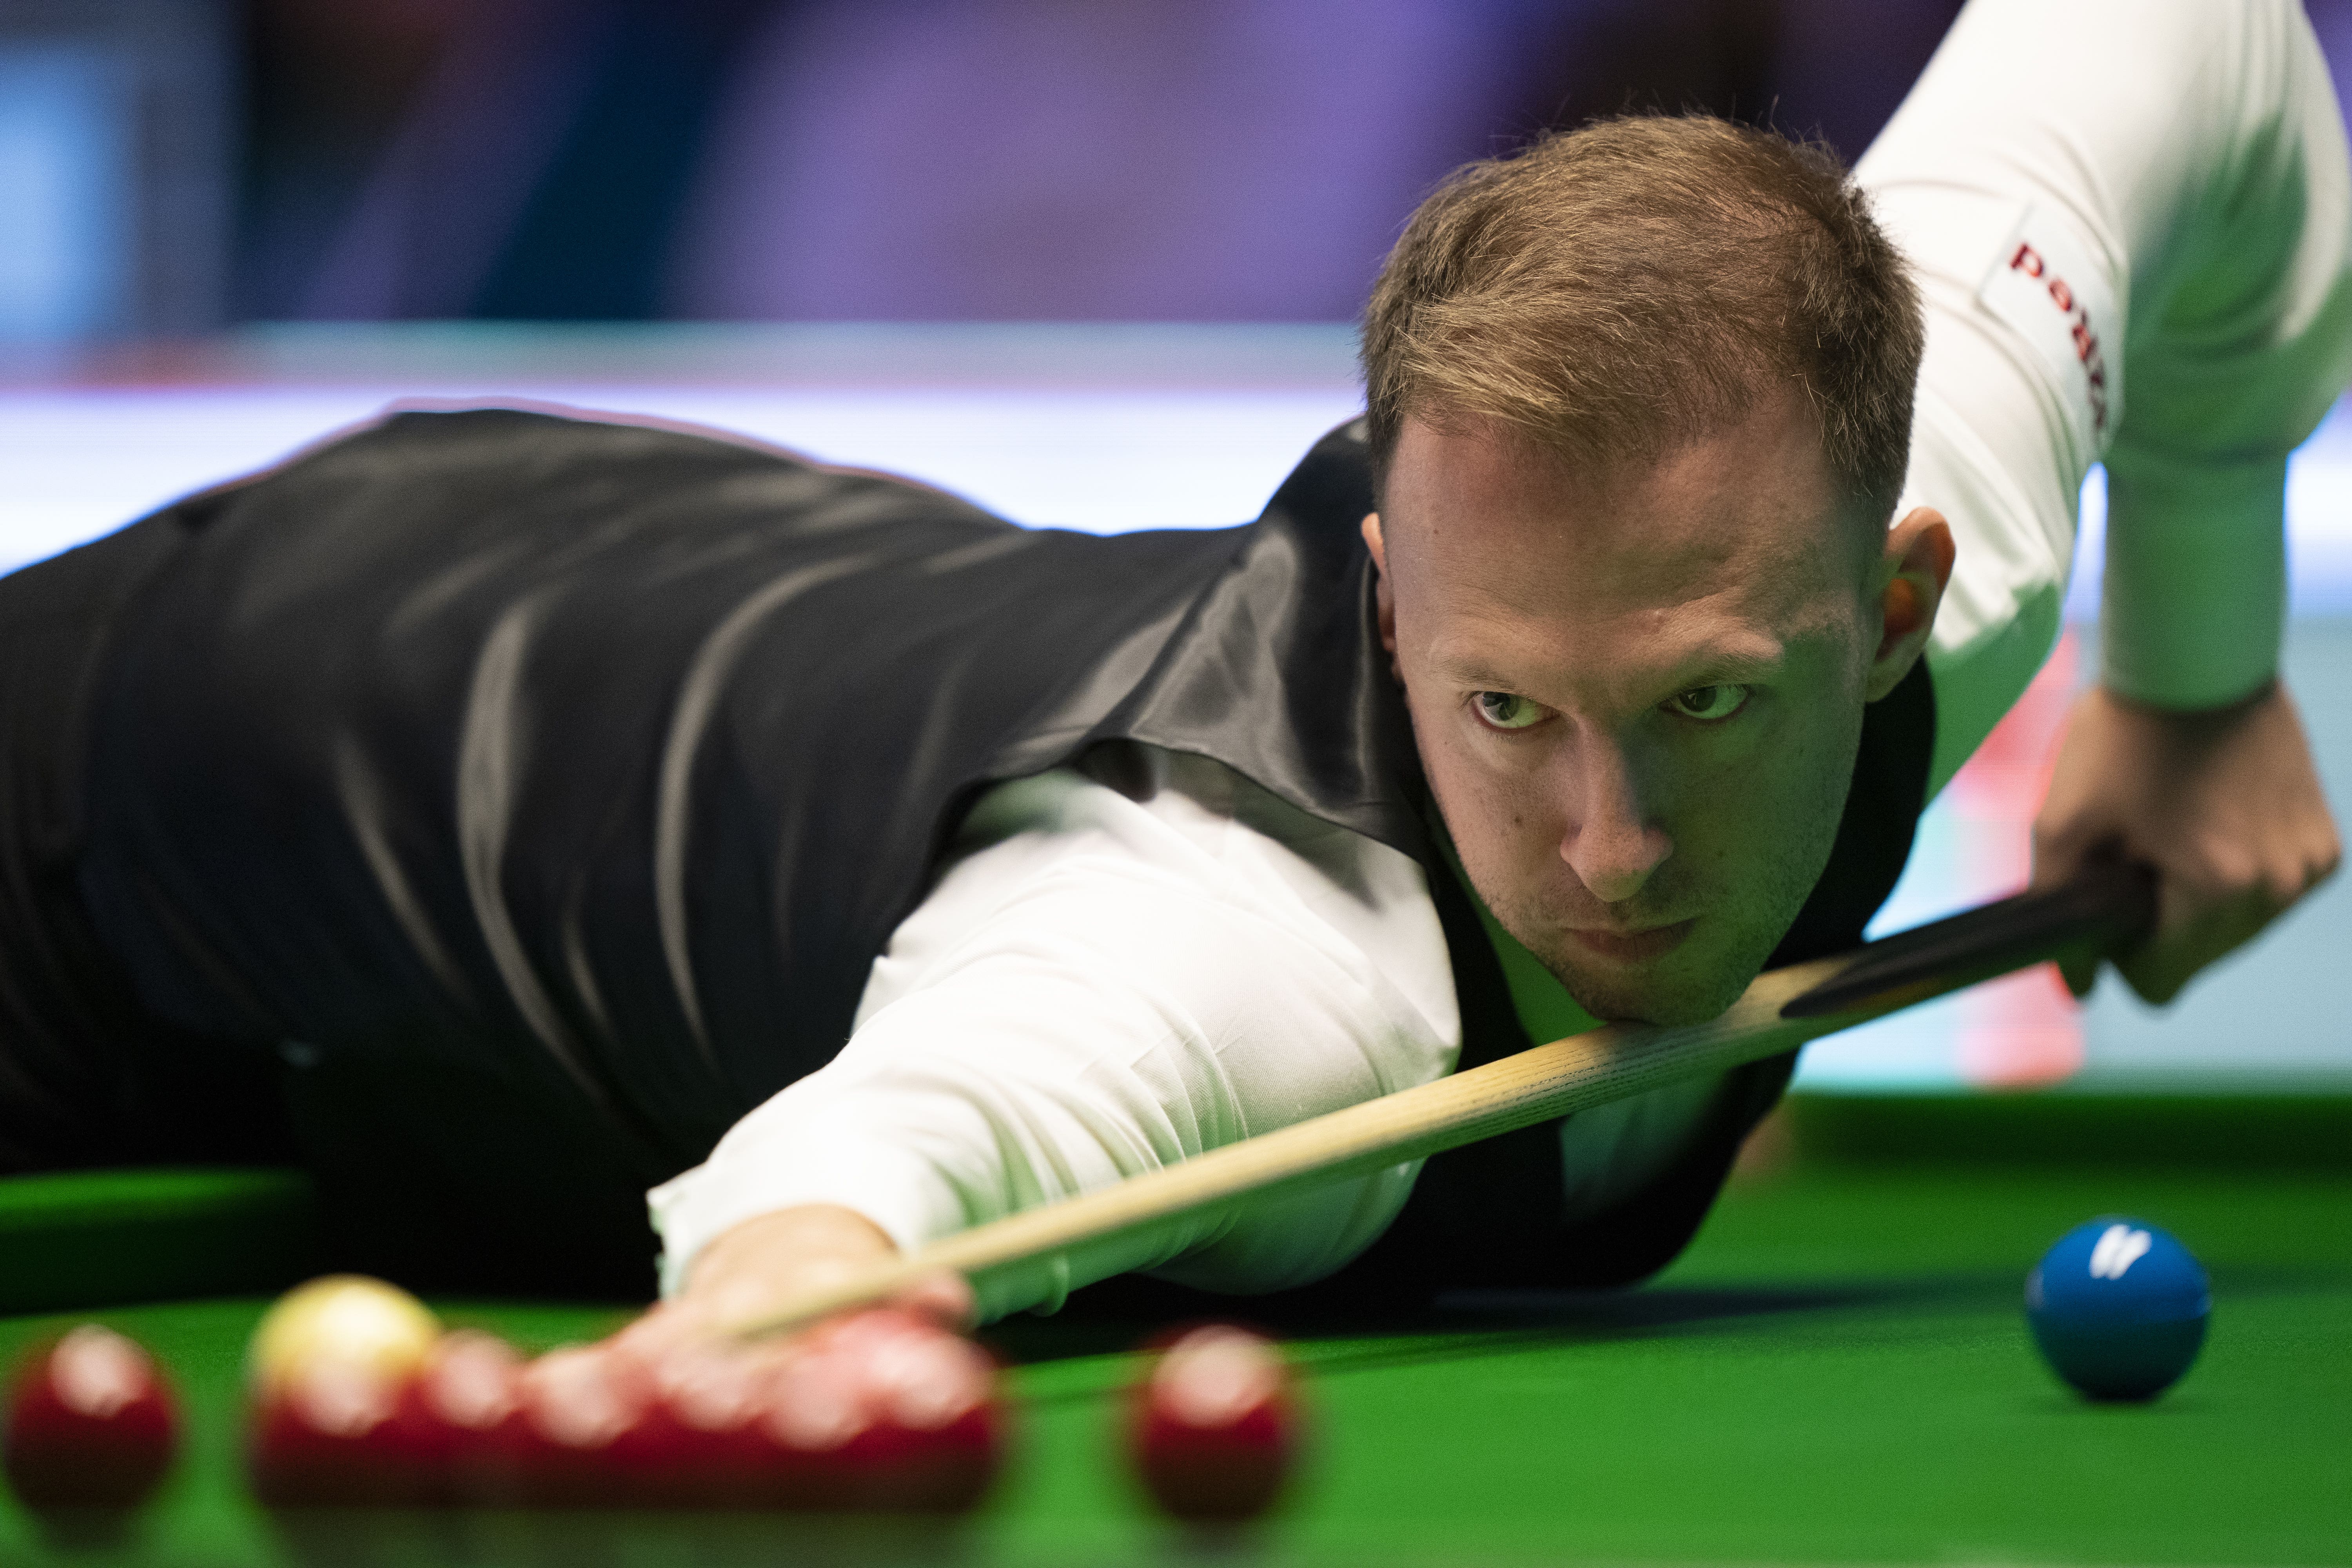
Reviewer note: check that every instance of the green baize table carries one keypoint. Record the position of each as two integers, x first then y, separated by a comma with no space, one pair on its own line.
1837,1371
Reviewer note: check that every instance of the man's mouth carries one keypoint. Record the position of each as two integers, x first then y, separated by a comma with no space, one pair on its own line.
1631,946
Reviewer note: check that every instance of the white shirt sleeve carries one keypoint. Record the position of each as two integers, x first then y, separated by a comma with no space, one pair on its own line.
2130,219
1108,980
1104,982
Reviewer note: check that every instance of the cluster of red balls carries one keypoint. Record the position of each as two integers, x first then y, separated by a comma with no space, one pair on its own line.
359,1397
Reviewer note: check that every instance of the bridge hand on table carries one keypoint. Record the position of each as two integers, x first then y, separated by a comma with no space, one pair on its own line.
765,1261
864,1380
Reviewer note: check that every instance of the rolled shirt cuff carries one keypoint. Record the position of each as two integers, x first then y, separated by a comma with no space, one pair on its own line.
2194,600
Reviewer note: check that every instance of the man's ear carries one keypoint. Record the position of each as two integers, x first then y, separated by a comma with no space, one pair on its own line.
1911,578
1384,596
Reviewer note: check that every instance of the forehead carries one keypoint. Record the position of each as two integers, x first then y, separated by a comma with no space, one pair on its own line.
1741,528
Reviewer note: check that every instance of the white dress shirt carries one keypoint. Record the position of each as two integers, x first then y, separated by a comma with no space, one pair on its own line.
1125,965
2155,191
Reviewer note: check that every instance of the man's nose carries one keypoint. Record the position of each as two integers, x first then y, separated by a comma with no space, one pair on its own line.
1611,844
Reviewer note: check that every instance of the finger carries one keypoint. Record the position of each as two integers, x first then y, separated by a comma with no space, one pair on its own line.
2207,924
946,1299
2316,864
685,1339
2056,856
2159,966
716,1391
665,1329
2080,975
2156,981
716,1371
2060,853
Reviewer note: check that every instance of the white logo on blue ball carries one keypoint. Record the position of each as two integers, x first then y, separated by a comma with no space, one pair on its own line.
2119,1246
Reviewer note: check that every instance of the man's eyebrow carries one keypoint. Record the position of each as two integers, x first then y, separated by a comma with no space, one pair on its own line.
1729,663
1734,666
1469,669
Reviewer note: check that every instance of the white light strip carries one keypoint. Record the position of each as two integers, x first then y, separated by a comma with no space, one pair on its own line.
81,462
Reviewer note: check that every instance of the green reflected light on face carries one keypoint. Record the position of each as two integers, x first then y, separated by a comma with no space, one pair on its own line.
1577,659
1708,704
1508,711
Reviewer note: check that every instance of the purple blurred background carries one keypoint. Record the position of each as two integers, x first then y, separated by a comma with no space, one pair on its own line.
178,165
1162,159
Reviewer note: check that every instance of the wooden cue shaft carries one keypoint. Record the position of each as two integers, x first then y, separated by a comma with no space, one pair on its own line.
1612,1062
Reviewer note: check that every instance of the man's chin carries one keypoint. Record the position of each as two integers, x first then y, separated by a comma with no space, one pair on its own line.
1664,993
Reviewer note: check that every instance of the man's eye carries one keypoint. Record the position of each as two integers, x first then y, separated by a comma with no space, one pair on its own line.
1707,704
1506,709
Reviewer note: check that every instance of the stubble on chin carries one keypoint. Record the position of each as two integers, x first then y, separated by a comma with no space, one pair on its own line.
1686,987
1725,951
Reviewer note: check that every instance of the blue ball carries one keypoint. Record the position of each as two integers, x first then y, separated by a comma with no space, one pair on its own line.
2118,1307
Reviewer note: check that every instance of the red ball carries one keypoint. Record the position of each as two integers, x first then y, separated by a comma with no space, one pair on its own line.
713,1408
812,1416
592,1434
343,1434
1215,1428
465,1408
91,1424
935,1433
884,1412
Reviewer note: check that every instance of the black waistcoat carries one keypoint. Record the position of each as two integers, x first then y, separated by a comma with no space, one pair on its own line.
547,788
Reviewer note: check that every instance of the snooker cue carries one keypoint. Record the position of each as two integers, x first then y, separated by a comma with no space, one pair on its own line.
2105,910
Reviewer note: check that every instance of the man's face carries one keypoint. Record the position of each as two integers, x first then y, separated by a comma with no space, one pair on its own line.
1638,694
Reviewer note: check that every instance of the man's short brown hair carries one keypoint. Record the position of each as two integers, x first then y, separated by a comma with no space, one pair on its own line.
1615,291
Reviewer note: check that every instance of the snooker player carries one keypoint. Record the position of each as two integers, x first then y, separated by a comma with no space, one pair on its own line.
507,813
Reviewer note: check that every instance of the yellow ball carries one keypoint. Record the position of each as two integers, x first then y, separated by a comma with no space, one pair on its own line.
347,1320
